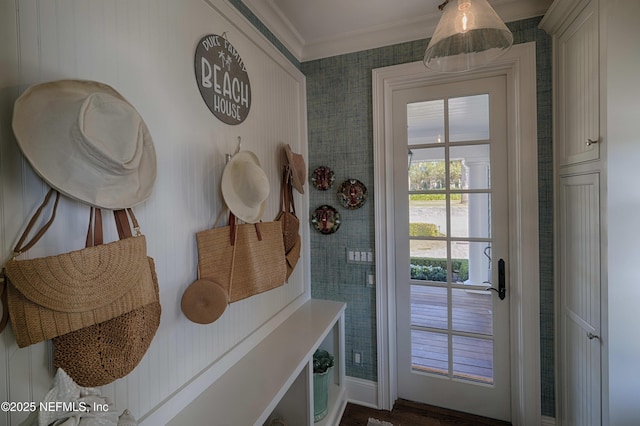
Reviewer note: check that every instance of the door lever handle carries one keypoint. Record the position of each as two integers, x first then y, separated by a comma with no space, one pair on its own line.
502,289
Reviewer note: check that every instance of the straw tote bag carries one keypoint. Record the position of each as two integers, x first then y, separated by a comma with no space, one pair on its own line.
245,259
287,214
55,295
290,222
99,354
293,256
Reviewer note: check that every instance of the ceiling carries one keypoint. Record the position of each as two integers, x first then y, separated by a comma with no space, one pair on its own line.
313,29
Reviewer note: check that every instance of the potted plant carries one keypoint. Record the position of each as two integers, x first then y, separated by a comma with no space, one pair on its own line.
322,364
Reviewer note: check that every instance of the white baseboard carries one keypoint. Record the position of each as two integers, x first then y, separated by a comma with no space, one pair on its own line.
548,421
362,392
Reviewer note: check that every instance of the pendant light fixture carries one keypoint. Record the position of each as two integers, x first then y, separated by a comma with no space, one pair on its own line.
469,35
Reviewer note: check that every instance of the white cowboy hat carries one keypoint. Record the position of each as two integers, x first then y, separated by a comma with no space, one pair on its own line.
85,140
245,187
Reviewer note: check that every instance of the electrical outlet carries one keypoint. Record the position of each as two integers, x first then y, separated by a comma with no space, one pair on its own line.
357,358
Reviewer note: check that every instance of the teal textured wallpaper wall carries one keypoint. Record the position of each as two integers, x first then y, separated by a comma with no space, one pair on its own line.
340,125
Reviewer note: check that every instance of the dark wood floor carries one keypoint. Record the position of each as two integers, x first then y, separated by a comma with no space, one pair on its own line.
407,413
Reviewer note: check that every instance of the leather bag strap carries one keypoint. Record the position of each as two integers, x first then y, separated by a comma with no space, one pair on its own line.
232,229
286,192
94,233
3,300
122,223
291,207
234,233
124,226
21,247
284,189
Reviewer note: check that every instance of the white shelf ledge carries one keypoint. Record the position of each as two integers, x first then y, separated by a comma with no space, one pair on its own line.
251,389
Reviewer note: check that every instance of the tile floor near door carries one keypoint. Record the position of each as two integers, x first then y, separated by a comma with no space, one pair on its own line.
407,413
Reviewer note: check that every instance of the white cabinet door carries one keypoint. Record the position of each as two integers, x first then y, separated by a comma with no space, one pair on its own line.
579,89
579,284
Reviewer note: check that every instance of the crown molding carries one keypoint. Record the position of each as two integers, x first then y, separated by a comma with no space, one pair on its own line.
418,28
273,18
560,14
400,31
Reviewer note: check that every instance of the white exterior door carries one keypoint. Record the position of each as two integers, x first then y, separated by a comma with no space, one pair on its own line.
451,244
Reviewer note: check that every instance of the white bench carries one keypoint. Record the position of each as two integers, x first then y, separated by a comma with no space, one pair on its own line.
275,379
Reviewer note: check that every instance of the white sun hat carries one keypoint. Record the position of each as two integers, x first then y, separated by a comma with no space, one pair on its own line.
245,187
85,140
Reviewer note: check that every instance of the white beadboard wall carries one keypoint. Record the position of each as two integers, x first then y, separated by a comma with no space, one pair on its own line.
145,50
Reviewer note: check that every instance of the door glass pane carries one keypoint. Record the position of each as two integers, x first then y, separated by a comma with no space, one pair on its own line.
430,351
473,359
459,262
427,169
470,167
427,215
472,311
425,122
428,260
429,307
473,258
471,215
469,118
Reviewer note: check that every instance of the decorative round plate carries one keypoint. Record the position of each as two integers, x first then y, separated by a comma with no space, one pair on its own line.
322,178
352,194
325,219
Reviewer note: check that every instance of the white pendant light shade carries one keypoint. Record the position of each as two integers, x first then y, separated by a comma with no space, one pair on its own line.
470,34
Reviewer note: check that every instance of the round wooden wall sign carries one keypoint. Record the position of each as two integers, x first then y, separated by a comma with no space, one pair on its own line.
222,79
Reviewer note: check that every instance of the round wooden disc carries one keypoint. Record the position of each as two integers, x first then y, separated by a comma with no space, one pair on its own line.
204,301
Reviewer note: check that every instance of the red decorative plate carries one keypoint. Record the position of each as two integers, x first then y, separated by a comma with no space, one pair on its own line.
352,194
322,178
325,219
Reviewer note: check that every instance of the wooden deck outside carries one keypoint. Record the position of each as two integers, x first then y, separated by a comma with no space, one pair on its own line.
471,313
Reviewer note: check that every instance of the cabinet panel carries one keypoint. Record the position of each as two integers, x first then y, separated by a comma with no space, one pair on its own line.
578,89
579,281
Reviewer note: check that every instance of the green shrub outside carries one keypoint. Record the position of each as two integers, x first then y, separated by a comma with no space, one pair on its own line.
424,268
424,230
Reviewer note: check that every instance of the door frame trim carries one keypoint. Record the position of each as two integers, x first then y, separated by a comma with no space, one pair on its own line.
519,66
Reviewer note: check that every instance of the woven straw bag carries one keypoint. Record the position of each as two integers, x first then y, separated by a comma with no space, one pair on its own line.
293,256
55,295
244,259
3,300
287,214
101,353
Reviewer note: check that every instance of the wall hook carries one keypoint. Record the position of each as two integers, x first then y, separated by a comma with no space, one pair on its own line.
227,157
